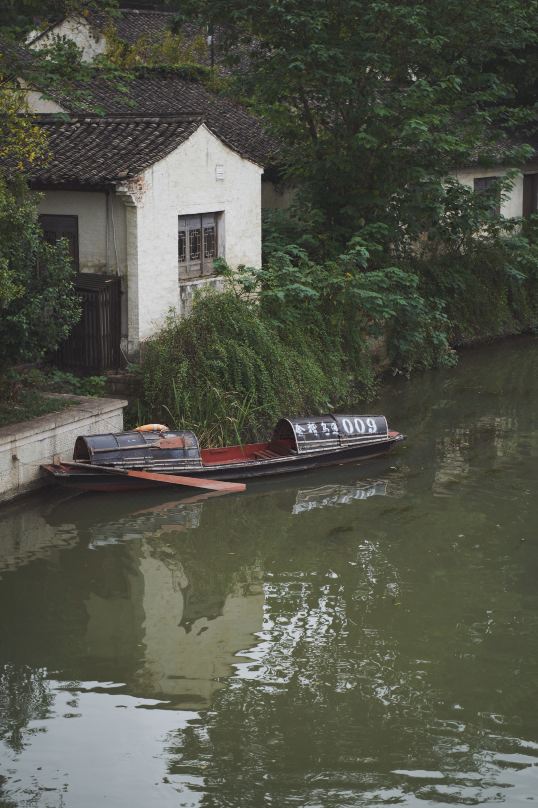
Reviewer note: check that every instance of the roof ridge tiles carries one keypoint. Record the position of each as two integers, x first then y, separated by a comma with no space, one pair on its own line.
73,117
162,12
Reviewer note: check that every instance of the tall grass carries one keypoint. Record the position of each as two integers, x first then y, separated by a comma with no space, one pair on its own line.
229,374
218,417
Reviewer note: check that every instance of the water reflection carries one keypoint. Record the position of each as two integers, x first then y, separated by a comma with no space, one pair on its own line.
357,636
327,496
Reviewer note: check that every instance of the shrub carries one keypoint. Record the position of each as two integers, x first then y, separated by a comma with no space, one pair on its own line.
228,370
38,304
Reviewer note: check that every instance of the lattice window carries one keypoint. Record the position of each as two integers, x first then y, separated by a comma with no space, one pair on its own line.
210,241
182,246
197,244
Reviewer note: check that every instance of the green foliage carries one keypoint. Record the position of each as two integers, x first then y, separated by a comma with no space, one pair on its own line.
38,304
61,381
228,370
349,299
21,142
482,267
376,102
24,391
19,17
23,395
171,50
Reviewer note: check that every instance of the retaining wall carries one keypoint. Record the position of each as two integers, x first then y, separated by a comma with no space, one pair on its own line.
25,446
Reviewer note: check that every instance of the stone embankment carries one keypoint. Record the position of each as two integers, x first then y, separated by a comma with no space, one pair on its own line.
25,446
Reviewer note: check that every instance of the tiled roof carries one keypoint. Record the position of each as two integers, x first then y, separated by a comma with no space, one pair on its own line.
161,93
96,152
13,57
131,24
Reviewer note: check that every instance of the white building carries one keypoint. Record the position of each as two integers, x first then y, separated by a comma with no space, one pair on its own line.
520,200
149,181
151,190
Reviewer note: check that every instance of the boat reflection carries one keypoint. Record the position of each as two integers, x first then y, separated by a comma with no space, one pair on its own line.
328,496
170,517
178,516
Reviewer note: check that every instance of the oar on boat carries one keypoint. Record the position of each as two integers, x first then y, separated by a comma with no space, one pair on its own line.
192,482
166,479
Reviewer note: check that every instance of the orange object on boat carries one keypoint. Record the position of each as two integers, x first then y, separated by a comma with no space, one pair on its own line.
152,428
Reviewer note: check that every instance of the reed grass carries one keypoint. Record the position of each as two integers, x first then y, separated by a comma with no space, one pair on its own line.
229,373
218,417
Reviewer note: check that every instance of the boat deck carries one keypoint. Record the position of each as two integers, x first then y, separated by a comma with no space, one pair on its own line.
253,452
243,454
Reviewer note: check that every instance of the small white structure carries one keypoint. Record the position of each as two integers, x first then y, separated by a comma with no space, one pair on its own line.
150,181
511,204
154,201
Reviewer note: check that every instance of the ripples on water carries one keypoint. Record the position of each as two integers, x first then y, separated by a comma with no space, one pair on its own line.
359,636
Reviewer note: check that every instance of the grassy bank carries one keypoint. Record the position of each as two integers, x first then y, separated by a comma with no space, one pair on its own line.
228,371
25,393
31,404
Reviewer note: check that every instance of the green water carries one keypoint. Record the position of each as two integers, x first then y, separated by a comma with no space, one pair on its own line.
361,636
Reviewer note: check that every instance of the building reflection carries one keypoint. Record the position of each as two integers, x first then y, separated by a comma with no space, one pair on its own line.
127,590
182,658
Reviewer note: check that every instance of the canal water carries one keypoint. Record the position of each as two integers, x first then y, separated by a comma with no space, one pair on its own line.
361,636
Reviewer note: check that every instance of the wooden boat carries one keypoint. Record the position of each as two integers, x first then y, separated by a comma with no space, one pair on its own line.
103,462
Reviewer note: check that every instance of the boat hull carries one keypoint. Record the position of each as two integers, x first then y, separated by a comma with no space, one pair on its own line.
92,479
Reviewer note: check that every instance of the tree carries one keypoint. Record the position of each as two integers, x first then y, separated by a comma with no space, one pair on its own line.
375,102
19,17
38,304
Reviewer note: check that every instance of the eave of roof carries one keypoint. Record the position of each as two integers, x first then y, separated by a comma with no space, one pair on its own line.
165,94
98,153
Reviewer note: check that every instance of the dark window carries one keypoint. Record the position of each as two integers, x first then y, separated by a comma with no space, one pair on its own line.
530,194
486,185
56,227
197,245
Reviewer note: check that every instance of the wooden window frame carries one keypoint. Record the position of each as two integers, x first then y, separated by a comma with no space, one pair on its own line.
198,245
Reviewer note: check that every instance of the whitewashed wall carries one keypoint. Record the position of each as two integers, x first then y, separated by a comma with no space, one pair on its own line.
185,183
36,102
102,239
76,29
138,236
102,236
512,204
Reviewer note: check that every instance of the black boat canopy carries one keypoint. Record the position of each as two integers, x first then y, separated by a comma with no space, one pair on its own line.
326,432
140,450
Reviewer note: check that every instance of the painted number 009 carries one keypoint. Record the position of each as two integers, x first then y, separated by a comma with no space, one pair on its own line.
358,425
